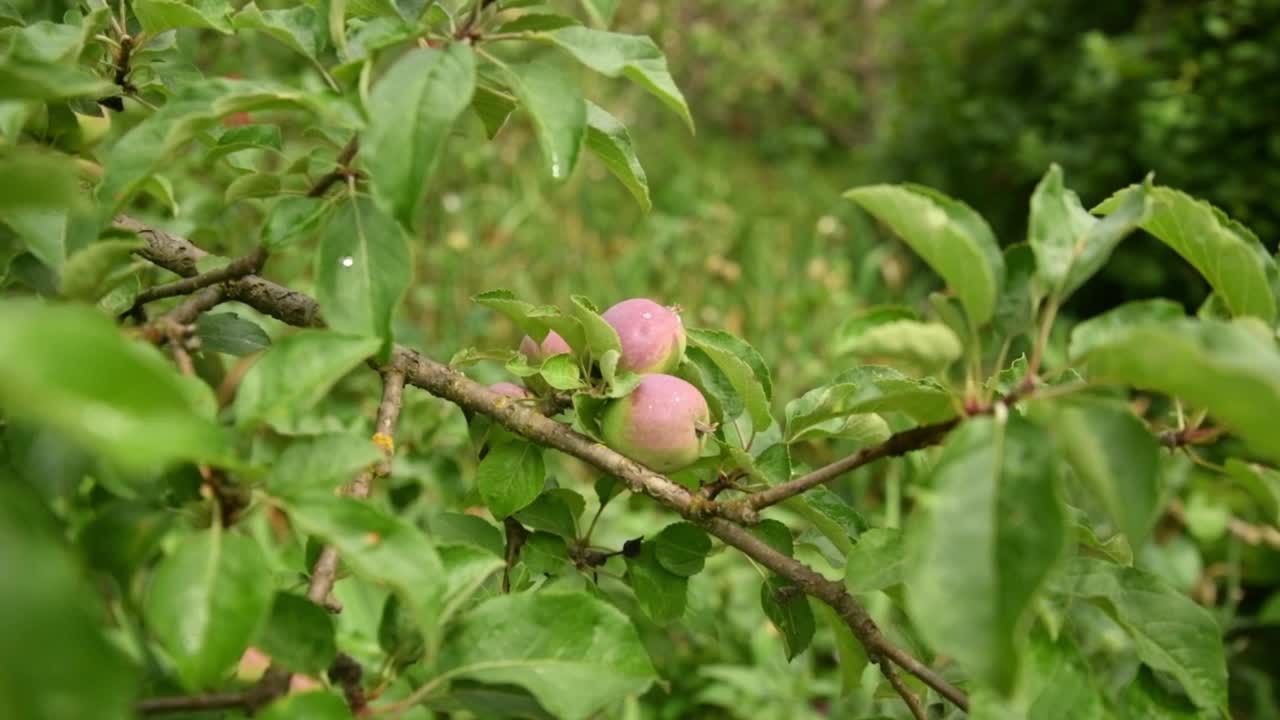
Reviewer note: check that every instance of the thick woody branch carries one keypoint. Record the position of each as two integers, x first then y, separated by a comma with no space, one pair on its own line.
899,444
442,381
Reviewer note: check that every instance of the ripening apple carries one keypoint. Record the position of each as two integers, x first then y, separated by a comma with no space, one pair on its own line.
552,344
510,390
653,338
661,424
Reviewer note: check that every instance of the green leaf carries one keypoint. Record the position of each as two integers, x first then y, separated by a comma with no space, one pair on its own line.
197,106
229,333
550,512
493,107
58,662
1056,685
993,527
1115,548
296,373
545,553
296,27
1225,252
121,537
1115,323
561,372
1071,245
617,54
608,139
312,705
1263,483
45,231
247,137
735,346
252,185
292,218
94,270
599,335
1147,697
412,110
863,429
476,532
601,11
1016,306
789,610
537,22
206,602
1212,364
851,654
575,653
70,368
876,561
740,374
949,235
157,16
682,548
929,346
382,548
866,390
701,371
29,79
362,271
661,593
36,180
320,465
298,634
1171,633
398,633
554,101
510,477
775,534
1114,455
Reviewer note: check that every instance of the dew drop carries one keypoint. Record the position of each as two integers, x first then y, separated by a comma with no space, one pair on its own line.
555,169
348,261
647,316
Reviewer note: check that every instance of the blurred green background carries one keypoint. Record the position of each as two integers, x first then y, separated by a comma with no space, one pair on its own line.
798,101
795,102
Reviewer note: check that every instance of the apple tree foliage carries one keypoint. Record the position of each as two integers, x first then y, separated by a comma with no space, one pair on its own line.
180,470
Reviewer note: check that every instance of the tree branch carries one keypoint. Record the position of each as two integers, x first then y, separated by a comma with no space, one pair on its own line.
248,265
339,173
910,698
273,684
442,381
898,444
324,573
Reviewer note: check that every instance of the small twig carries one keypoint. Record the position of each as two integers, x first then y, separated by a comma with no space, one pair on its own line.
325,572
347,673
124,53
340,173
1042,338
516,535
274,684
248,265
1246,532
910,698
898,444
1190,436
